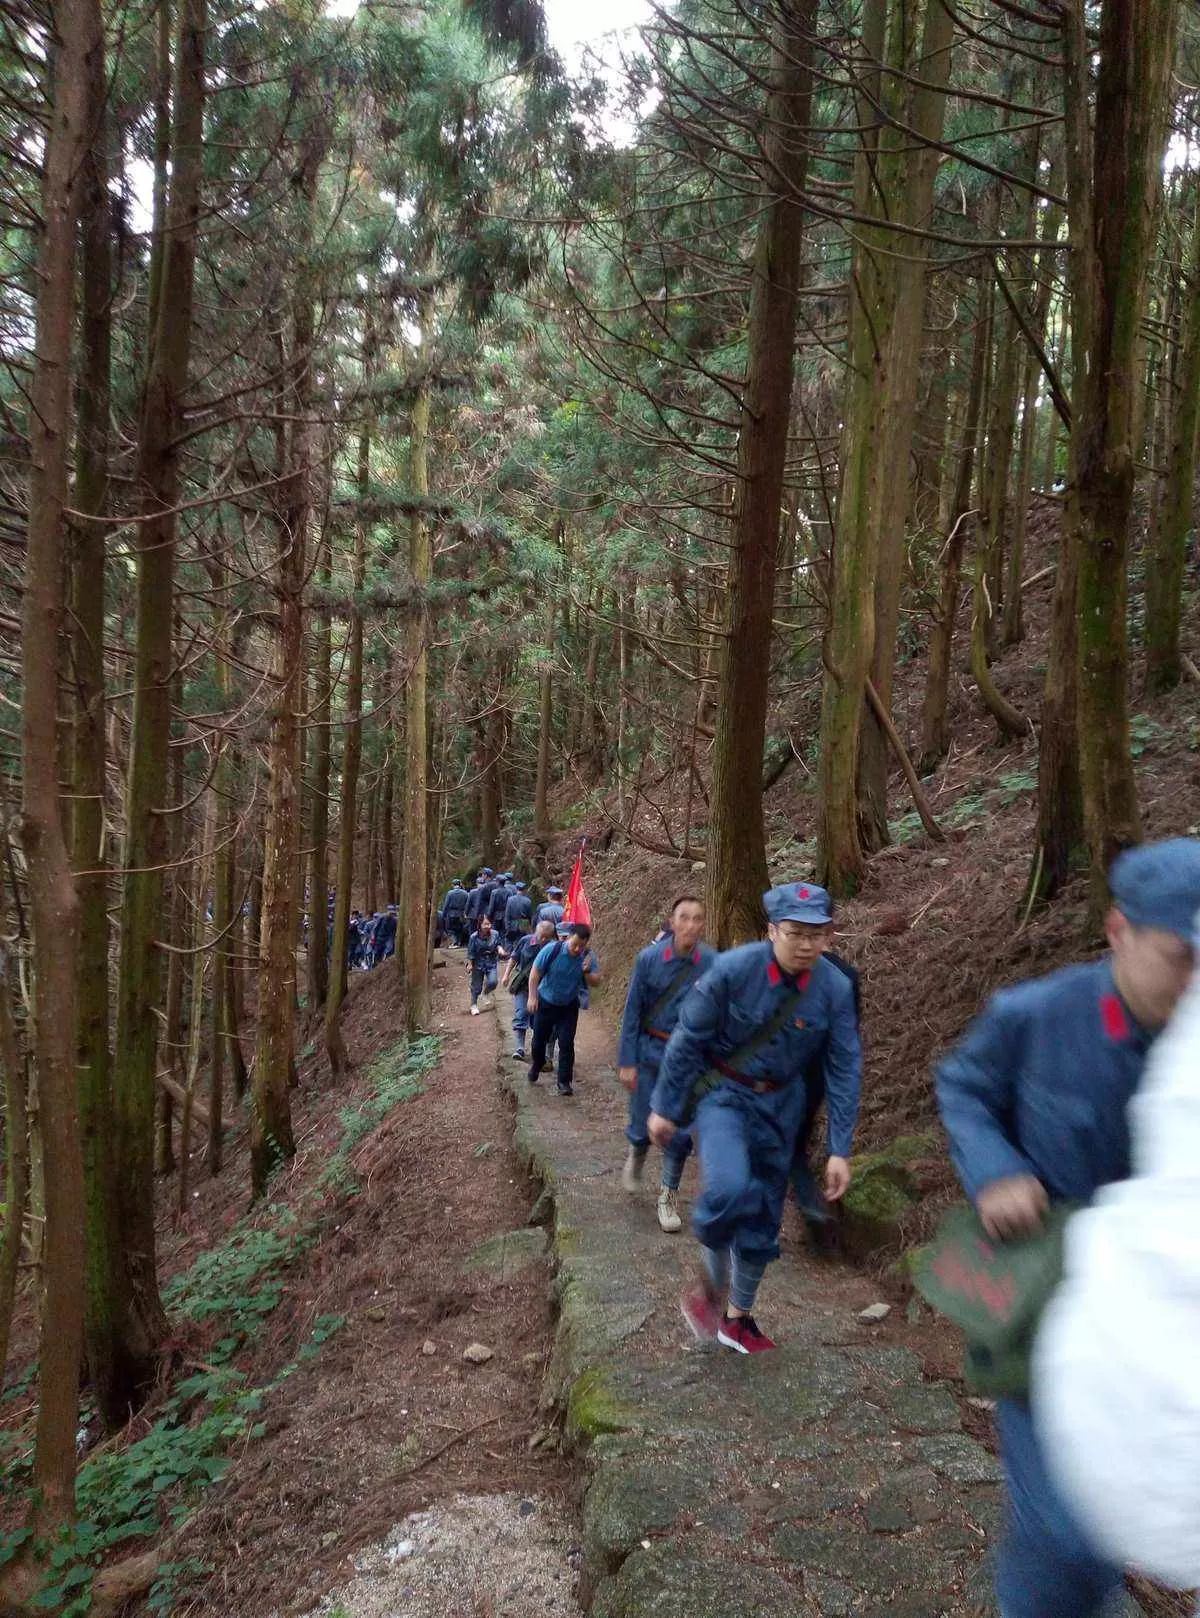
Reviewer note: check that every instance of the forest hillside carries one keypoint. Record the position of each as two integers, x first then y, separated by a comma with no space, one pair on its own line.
760,444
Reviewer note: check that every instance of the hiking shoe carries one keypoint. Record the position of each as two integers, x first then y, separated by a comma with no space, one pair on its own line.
701,1308
742,1335
532,1075
565,1090
519,1056
668,1212
631,1174
474,1011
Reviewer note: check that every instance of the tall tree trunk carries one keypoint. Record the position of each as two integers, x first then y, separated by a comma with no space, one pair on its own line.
271,1136
1111,212
542,826
387,845
994,499
1014,627
54,899
335,1044
736,872
114,1381
318,828
414,910
172,1040
905,180
935,725
147,834
1167,545
371,902
16,1152
850,642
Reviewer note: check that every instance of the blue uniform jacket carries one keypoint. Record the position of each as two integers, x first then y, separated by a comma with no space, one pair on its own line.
656,968
1041,1083
475,902
483,952
551,911
498,902
736,997
517,912
455,902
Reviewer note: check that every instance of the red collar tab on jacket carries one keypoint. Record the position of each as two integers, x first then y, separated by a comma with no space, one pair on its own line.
1112,1015
775,976
670,955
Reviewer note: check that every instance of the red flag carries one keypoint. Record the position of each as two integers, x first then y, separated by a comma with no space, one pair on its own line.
577,907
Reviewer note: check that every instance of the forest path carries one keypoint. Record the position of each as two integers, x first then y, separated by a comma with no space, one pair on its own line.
395,1475
827,1479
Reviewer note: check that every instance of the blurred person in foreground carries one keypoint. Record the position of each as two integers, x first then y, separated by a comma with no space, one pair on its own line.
1034,1101
1116,1395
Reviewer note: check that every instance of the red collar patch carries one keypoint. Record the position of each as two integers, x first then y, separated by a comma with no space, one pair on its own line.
667,953
1112,1015
774,975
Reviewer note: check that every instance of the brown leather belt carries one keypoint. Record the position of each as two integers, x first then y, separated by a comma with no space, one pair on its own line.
761,1087
657,1033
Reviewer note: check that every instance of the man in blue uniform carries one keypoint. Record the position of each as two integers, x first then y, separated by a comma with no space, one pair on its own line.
454,912
745,1036
516,980
553,909
559,975
1034,1102
483,955
498,902
477,899
662,975
518,914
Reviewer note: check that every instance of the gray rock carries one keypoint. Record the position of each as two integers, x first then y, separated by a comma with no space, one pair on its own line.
665,1582
875,1312
626,1504
872,1562
478,1353
928,1408
959,1458
909,1500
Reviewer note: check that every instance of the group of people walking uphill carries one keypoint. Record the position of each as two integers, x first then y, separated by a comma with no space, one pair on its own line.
731,1056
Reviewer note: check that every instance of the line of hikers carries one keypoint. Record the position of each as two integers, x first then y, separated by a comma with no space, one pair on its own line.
547,965
732,1056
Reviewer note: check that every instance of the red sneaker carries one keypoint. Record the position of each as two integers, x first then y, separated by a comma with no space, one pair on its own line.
702,1308
742,1334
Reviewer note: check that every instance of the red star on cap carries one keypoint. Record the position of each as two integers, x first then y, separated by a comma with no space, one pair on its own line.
802,893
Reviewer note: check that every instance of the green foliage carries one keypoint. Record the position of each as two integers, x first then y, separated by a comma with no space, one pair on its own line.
395,1075
1143,733
241,1280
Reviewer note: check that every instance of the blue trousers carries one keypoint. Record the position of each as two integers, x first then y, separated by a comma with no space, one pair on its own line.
678,1152
1045,1567
744,1164
480,980
521,1015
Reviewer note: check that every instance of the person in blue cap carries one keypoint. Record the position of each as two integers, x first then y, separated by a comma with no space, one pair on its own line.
477,899
745,1037
498,902
454,912
661,977
1034,1101
518,914
553,910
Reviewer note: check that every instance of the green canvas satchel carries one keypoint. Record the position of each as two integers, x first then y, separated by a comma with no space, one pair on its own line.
995,1292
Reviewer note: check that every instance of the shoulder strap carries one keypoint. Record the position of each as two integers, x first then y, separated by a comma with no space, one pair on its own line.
763,1036
668,994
